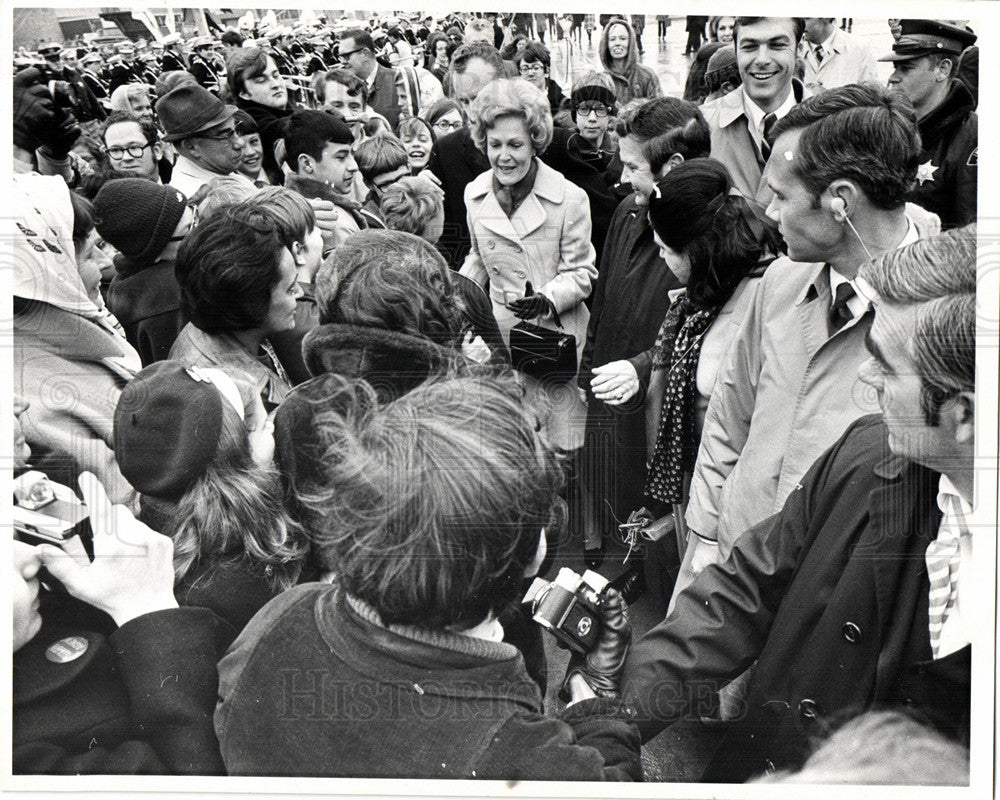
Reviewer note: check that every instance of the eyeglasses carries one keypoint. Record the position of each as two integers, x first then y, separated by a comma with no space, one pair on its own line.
222,136
444,125
134,150
531,69
346,56
585,109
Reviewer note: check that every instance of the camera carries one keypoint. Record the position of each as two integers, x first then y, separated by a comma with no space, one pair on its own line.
48,513
568,607
61,90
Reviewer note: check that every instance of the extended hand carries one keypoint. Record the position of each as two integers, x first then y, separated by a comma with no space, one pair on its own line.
615,383
531,305
132,572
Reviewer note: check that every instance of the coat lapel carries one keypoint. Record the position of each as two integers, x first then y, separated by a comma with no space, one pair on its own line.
529,217
904,519
493,218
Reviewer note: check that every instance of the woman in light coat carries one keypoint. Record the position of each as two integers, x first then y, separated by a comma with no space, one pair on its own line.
530,231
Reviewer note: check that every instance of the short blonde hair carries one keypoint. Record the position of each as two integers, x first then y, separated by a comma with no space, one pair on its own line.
512,97
410,204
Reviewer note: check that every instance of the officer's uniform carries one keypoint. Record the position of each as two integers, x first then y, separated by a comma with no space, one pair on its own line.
947,176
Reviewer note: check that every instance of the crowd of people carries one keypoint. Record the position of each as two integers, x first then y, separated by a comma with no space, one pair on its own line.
329,340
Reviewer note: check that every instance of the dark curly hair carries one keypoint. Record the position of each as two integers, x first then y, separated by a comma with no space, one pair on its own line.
693,211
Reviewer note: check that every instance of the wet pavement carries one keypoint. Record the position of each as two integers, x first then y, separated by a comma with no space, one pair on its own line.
666,57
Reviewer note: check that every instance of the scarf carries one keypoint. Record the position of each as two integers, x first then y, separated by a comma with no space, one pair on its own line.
510,197
678,348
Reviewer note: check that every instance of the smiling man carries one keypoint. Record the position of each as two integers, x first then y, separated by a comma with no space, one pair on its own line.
857,594
842,167
742,120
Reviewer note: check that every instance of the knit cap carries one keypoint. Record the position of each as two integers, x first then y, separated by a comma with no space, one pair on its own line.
167,426
138,217
721,68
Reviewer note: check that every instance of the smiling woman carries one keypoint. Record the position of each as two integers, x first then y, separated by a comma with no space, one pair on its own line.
530,233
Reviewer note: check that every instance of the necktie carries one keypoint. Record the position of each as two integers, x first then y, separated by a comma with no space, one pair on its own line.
942,571
820,55
767,139
840,314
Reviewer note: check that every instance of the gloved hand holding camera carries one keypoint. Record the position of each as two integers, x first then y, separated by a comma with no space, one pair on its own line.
531,305
602,667
587,616
40,118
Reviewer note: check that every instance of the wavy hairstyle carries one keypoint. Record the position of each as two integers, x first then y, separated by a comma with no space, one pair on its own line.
433,503
938,275
512,97
694,211
390,280
234,513
863,133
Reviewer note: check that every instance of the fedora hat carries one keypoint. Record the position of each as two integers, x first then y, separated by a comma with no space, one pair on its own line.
188,110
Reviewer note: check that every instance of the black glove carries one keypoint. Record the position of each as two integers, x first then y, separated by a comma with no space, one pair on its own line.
602,667
531,305
38,122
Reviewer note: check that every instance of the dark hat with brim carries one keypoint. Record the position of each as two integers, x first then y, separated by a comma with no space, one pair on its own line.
923,37
190,109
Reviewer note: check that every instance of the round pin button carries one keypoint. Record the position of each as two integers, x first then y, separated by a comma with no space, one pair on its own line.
66,650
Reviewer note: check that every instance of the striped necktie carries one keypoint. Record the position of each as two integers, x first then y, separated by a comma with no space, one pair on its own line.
767,138
840,312
942,570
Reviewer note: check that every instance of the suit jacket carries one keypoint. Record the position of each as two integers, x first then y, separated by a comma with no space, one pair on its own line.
849,60
830,597
546,242
733,145
384,98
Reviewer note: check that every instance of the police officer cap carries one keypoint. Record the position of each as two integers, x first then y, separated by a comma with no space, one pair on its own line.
50,49
90,58
202,41
921,37
127,47
171,38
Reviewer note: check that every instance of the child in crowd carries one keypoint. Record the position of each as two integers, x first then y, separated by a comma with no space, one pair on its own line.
198,448
318,151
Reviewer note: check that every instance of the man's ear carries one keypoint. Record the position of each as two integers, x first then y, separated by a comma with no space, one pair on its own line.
157,151
963,415
945,69
675,160
841,198
304,163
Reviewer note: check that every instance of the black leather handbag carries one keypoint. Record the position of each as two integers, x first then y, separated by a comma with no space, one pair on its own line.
543,353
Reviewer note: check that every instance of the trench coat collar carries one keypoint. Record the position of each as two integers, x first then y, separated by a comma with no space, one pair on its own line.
530,215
